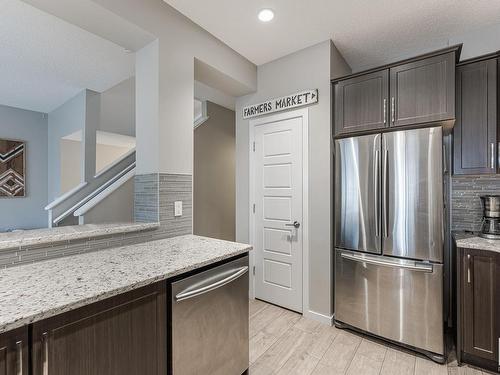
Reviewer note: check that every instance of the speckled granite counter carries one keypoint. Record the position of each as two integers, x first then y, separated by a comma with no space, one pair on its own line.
36,291
471,241
49,235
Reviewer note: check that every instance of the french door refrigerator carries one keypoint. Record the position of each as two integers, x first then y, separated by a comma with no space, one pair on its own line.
389,237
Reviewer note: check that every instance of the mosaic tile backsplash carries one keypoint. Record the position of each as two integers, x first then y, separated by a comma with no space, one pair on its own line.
466,206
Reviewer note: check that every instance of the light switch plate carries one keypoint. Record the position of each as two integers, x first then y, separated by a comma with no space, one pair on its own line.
178,208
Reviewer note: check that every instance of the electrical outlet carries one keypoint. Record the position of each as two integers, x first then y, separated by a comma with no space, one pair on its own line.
178,208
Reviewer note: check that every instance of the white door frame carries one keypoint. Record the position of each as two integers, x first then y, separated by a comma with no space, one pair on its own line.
304,114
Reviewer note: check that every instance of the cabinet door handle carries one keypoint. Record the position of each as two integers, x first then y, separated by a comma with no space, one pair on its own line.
445,160
498,154
468,268
19,357
492,156
385,111
45,353
393,109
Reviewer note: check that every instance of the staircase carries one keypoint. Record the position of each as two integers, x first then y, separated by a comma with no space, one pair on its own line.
71,207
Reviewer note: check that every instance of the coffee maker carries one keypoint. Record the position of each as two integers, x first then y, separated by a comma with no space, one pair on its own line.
490,227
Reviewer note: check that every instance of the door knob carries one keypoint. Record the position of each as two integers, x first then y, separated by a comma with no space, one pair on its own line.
295,224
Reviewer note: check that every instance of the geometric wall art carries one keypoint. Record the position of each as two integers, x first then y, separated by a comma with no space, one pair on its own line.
12,168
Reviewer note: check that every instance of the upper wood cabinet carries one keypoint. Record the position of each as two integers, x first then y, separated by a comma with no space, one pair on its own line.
475,131
423,91
14,352
361,103
125,334
412,92
480,307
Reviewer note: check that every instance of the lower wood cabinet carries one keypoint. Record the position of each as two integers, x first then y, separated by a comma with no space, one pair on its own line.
479,308
14,352
125,334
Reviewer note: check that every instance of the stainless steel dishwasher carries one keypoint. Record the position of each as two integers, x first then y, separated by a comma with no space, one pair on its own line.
210,321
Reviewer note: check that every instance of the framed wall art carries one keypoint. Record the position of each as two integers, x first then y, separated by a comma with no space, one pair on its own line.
12,168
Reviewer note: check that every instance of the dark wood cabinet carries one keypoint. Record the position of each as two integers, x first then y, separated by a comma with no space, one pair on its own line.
361,103
479,308
475,131
423,91
14,352
125,334
413,92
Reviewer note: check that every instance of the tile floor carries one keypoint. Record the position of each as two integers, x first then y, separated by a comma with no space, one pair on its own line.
284,343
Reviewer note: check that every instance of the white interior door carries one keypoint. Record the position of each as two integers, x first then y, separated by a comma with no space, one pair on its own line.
278,243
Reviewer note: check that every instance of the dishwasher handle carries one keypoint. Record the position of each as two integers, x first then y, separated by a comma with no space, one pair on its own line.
187,294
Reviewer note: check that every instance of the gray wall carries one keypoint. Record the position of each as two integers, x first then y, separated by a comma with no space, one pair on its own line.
31,127
307,69
478,42
116,208
112,111
214,175
118,109
65,120
174,81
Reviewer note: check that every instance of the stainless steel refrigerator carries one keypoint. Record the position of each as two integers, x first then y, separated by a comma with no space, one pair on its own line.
389,237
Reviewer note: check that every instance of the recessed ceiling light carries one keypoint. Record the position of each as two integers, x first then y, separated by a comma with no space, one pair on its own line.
266,15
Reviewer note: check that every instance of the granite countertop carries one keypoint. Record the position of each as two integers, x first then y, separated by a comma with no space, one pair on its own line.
40,290
472,241
32,237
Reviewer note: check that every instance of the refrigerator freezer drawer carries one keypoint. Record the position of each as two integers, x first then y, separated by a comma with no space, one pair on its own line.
401,300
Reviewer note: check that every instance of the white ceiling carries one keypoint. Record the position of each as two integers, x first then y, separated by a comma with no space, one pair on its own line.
367,32
45,61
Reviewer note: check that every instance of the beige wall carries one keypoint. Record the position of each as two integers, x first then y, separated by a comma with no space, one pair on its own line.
214,175
107,154
71,161
71,164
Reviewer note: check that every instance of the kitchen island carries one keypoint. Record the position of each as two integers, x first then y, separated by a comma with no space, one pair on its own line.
110,306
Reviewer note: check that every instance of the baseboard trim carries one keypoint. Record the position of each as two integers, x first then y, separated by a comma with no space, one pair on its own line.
313,315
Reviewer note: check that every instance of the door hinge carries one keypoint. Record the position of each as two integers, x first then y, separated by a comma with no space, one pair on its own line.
254,208
254,147
253,270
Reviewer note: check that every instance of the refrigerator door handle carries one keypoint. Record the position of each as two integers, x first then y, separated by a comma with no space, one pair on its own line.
388,262
385,195
376,175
